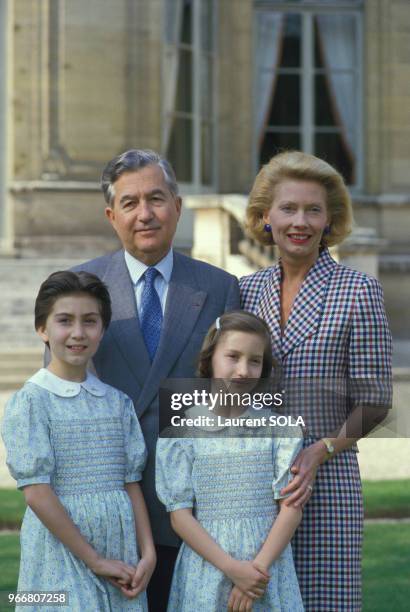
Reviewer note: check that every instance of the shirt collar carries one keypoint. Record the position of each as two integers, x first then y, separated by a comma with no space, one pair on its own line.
68,388
136,268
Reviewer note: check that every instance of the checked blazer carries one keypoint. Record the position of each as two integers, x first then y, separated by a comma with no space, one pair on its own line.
337,333
337,329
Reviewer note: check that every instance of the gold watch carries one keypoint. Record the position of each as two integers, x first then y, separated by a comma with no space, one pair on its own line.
330,448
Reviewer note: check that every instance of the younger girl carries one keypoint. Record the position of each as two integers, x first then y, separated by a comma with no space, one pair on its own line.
76,449
236,530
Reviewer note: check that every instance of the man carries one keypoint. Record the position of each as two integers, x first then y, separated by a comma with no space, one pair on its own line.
163,304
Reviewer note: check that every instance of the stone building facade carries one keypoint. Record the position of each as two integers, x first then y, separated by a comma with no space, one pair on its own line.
216,85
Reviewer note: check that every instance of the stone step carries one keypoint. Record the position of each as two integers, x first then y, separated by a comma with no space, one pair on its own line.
12,383
18,364
25,368
20,280
28,353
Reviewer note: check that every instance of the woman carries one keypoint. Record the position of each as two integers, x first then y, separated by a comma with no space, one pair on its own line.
330,332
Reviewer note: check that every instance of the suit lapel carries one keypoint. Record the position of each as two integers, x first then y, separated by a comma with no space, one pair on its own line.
269,309
184,303
125,326
308,306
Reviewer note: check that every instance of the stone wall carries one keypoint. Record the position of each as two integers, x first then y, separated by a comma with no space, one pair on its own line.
387,96
85,87
235,84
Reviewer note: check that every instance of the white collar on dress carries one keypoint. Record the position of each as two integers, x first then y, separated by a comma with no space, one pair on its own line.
68,388
136,268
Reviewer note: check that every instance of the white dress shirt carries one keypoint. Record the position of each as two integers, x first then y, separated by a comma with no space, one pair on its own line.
161,283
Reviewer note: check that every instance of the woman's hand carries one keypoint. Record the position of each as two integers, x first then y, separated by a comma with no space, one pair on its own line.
304,468
248,578
239,601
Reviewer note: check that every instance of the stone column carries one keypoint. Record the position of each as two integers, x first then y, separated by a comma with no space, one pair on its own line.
6,232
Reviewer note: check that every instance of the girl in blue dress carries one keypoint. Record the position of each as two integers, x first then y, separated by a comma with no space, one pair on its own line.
75,447
224,493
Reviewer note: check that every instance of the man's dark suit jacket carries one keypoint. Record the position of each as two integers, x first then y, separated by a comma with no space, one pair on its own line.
197,294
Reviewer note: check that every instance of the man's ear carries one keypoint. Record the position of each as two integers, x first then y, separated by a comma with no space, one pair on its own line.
178,204
109,213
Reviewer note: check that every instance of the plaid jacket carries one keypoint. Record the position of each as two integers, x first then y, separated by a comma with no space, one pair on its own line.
337,336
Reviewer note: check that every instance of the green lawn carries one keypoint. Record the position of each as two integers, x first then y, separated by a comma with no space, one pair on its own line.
386,554
12,506
386,562
387,498
9,566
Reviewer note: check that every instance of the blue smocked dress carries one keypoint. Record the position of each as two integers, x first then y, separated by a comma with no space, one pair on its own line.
85,441
228,483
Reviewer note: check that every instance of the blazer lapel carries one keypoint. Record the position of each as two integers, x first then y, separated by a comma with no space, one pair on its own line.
269,309
308,306
125,327
184,303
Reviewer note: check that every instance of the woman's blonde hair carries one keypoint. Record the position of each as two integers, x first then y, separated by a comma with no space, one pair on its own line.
295,165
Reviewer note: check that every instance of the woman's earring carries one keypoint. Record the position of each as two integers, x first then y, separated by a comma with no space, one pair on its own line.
326,231
267,228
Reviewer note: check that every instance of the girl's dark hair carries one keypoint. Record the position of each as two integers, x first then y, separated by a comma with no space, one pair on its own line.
64,283
237,320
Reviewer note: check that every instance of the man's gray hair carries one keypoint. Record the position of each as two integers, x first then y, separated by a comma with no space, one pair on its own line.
132,161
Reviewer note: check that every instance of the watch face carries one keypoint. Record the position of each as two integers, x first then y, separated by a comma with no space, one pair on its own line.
331,448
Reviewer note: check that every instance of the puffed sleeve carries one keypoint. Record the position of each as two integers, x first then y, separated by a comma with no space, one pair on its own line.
370,349
26,435
173,473
135,449
285,451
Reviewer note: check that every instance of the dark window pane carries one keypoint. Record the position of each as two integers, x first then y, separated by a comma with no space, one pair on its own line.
325,110
184,90
291,42
285,109
206,153
179,150
186,33
206,7
333,149
274,142
206,86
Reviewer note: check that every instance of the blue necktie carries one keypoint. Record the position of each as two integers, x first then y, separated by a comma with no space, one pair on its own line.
151,313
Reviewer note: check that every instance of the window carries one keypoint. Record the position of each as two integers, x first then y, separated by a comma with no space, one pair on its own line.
188,117
308,81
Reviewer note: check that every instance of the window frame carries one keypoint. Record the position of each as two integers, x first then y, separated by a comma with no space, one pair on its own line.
307,129
198,53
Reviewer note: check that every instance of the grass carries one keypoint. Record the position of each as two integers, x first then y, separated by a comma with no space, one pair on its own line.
12,506
387,498
382,499
9,567
386,562
386,559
